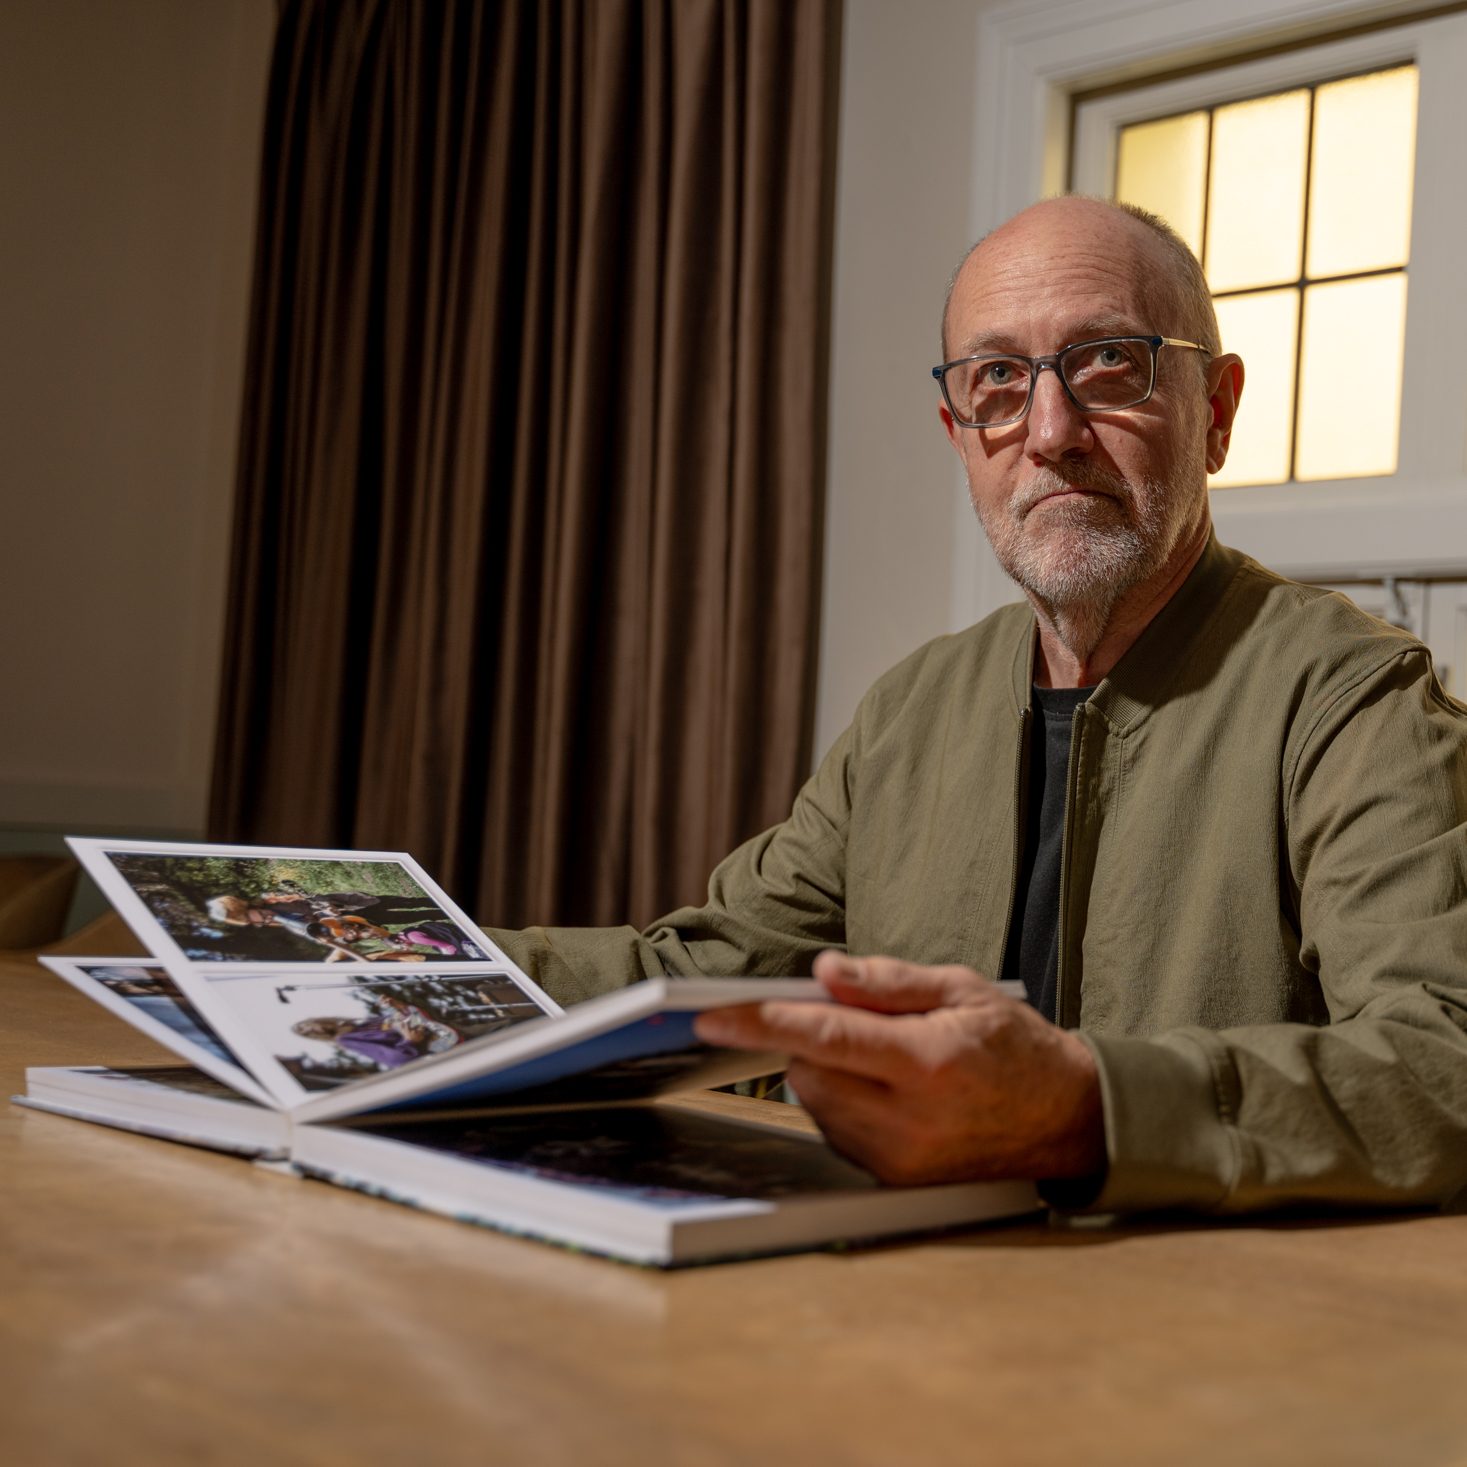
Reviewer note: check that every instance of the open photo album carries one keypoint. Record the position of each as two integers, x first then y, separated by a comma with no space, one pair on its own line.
337,1010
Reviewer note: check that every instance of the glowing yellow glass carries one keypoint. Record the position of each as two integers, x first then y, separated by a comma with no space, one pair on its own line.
1255,217
1360,173
1353,345
1262,330
1162,166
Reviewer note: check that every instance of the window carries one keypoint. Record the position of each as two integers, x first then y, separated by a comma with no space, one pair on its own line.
1298,204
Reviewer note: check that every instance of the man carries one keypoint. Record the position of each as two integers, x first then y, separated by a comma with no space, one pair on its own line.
1213,819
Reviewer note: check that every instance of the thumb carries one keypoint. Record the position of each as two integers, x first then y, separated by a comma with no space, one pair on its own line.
891,986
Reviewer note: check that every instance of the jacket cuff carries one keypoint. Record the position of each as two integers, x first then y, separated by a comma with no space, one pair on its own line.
1168,1138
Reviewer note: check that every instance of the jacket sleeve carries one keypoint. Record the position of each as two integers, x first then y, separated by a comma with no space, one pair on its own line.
773,904
1371,1108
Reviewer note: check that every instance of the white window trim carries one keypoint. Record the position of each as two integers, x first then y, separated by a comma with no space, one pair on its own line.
1034,56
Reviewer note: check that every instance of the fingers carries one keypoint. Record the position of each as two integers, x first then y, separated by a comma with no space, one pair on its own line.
875,1126
831,1035
891,986
857,1033
849,1109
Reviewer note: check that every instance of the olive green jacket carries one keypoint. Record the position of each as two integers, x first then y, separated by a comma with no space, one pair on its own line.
1263,907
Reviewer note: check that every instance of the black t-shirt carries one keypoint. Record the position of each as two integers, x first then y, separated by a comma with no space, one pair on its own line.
1032,955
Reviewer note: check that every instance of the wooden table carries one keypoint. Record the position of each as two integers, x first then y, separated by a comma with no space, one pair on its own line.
160,1304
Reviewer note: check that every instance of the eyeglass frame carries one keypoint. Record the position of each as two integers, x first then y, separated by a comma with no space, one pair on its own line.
1039,364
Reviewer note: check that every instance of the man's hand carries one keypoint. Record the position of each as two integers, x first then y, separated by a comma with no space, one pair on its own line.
930,1074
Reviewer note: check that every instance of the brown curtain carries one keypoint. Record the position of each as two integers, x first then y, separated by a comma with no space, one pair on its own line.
526,562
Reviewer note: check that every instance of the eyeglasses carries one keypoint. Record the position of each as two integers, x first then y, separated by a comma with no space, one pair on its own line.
1104,376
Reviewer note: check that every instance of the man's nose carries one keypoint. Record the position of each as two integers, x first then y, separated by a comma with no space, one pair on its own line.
1056,427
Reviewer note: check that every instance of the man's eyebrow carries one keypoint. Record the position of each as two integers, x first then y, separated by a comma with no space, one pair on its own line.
1110,324
1089,329
986,341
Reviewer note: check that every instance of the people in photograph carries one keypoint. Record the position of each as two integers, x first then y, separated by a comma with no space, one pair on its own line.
439,938
368,1040
349,931
381,910
235,911
396,1034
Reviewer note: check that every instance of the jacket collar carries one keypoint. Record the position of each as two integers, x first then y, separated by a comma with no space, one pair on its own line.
1143,677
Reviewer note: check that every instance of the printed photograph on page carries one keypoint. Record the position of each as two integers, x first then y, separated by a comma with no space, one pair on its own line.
316,1031
151,992
231,904
660,1154
147,998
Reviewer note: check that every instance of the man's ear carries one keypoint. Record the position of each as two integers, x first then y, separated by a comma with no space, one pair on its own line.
949,424
1224,389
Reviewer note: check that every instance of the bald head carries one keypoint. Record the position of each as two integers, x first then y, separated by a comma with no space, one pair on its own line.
1171,279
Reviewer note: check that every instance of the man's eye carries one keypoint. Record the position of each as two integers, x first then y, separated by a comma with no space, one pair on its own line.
997,374
1103,359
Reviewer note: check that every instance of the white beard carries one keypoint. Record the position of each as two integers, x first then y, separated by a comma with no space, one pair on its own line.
1082,554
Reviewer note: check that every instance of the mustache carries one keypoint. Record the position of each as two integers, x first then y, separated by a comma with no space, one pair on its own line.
1048,481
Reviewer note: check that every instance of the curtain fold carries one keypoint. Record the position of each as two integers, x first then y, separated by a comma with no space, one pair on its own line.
525,575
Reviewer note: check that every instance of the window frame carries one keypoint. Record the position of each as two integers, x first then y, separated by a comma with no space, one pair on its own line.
1038,62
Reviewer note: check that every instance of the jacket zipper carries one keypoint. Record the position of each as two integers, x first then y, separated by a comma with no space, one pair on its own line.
1019,822
1070,768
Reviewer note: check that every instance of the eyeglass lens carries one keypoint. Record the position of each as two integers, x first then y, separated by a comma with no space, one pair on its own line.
1103,376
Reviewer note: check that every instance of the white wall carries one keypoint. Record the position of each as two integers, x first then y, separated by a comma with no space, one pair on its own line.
129,141
903,218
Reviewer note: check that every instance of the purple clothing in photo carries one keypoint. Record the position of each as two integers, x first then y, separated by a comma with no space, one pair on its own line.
385,1047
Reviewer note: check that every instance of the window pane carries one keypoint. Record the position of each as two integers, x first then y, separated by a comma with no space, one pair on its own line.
1360,184
1350,378
1255,218
1262,329
1162,166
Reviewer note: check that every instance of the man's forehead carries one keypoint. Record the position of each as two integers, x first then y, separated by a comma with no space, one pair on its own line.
1033,337
1054,275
